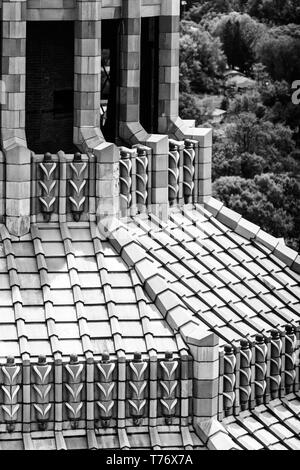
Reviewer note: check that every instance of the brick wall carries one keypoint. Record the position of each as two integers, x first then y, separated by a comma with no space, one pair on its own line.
49,86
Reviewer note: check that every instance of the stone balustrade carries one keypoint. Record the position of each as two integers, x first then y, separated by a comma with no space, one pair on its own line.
254,373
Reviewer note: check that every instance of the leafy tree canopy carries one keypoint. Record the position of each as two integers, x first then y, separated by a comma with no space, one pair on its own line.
202,62
271,201
239,34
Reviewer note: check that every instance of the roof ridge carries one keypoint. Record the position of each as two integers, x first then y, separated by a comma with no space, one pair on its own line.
76,290
107,292
46,290
173,311
17,301
242,226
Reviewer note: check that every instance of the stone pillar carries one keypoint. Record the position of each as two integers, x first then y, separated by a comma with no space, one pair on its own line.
130,128
168,91
87,85
87,74
13,139
168,101
204,347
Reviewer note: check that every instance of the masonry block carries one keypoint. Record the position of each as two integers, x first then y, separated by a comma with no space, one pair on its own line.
202,134
247,229
285,254
155,286
213,206
221,441
228,217
170,8
206,388
205,407
18,226
296,265
133,253
106,153
18,207
206,370
178,316
266,239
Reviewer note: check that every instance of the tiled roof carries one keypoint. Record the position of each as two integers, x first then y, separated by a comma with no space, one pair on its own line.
109,326
75,288
235,287
168,438
274,426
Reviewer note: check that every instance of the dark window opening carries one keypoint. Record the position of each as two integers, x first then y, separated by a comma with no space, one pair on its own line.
63,102
149,75
109,78
50,86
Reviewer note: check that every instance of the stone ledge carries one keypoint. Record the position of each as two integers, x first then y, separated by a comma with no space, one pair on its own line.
213,206
253,232
285,254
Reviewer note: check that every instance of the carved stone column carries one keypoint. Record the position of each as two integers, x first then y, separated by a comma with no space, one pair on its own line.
87,80
168,100
13,139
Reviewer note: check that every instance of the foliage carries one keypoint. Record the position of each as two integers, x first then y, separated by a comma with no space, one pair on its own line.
202,62
256,149
239,34
271,201
278,12
191,107
278,49
253,135
275,11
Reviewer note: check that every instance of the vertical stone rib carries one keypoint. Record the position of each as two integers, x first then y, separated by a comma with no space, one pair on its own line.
116,334
229,380
82,323
141,179
221,386
188,171
87,77
130,63
275,367
245,374
13,138
125,180
48,184
174,172
46,291
15,293
11,380
78,184
152,353
77,293
236,409
260,369
184,393
290,358
20,326
107,291
62,198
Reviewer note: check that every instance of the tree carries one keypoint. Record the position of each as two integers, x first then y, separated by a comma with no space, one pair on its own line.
239,34
275,11
273,142
278,49
271,201
202,62
191,107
